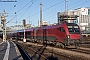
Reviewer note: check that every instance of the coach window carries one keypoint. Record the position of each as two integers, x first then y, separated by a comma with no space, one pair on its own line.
28,32
61,29
36,31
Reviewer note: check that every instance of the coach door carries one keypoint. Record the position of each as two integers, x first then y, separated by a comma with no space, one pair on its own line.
44,34
35,32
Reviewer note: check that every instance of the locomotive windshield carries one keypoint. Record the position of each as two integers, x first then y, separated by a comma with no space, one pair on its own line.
73,29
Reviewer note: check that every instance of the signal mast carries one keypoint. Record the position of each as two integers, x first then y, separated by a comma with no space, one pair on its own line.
3,19
3,22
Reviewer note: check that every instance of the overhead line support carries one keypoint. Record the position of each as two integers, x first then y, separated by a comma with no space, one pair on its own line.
3,22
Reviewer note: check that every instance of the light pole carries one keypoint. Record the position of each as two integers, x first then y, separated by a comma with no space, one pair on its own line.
24,24
66,5
66,9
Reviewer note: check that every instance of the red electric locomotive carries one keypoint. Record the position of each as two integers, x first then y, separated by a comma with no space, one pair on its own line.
64,34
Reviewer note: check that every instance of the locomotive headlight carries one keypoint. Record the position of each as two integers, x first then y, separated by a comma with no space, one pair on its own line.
68,36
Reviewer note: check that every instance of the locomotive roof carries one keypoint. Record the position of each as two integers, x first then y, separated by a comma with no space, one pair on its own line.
19,31
71,24
52,26
30,29
62,24
48,27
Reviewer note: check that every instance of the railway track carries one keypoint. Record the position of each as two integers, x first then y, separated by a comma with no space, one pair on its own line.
43,53
81,50
38,51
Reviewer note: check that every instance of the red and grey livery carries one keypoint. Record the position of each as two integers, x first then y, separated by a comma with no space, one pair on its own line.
63,34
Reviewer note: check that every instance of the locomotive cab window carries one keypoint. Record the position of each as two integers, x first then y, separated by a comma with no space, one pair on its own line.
61,29
73,29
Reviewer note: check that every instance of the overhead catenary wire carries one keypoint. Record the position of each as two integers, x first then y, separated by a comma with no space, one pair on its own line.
82,3
21,4
70,6
25,5
20,9
48,8
37,12
14,7
55,5
27,9
75,3
10,19
11,9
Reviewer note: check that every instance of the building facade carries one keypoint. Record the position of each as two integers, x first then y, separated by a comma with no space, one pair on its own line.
83,19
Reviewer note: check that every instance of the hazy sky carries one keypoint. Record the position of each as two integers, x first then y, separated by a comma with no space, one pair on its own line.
29,10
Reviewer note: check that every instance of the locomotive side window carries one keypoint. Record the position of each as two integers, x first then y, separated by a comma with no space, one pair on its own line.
61,29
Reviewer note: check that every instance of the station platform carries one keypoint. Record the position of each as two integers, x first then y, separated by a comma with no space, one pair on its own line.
9,51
